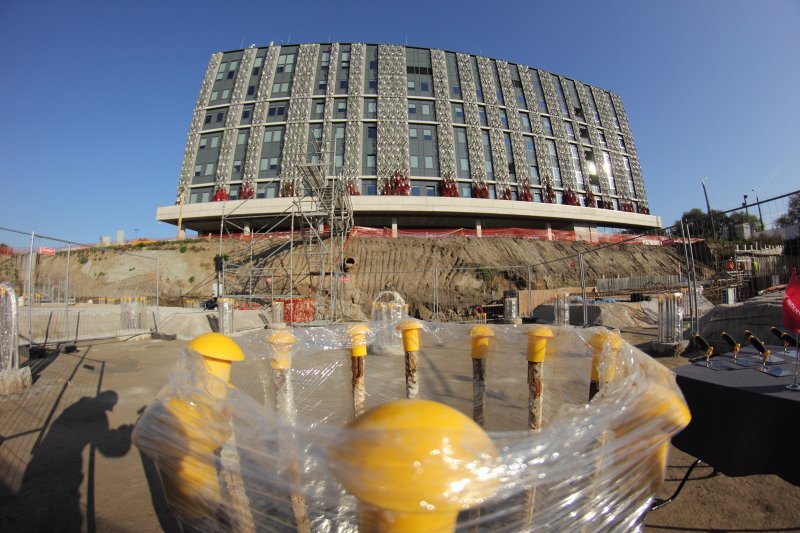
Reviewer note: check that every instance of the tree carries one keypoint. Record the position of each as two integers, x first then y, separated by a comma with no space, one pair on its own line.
740,217
700,224
792,215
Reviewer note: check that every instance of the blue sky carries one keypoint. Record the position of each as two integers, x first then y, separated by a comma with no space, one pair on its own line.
98,95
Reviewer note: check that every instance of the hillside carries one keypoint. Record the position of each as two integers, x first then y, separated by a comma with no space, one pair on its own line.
466,271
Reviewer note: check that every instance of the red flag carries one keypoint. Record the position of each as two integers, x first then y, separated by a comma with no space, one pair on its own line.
791,304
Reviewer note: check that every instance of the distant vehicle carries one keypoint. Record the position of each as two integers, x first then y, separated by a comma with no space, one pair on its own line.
210,304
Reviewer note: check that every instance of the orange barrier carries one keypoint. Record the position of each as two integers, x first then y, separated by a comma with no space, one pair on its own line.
525,233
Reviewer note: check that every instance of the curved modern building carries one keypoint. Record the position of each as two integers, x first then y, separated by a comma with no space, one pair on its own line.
420,137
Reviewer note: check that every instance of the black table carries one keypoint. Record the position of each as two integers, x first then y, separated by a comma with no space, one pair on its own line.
744,422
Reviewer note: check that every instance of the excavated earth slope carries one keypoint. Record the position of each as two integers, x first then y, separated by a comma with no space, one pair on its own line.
460,272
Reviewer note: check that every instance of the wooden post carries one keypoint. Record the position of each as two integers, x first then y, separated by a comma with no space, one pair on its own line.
479,352
603,373
410,329
358,350
537,349
282,343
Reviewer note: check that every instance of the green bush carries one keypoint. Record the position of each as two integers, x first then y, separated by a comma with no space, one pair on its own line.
485,273
83,260
182,249
191,279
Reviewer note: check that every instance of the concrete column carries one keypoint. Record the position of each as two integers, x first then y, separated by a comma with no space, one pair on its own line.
478,228
549,232
247,229
394,227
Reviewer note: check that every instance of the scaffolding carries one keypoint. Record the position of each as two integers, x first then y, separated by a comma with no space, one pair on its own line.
304,266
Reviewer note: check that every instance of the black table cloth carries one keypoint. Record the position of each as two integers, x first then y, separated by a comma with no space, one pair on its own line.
743,421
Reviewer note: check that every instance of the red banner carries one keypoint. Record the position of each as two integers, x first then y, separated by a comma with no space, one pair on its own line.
791,304
47,251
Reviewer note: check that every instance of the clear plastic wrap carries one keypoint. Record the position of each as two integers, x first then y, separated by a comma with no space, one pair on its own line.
9,356
277,449
13,379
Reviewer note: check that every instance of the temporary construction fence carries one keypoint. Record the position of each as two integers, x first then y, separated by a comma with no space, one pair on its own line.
69,291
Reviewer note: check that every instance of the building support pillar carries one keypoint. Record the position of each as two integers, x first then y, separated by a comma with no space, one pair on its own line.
394,227
478,228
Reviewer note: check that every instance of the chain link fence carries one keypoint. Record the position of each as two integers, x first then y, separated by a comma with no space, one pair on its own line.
68,292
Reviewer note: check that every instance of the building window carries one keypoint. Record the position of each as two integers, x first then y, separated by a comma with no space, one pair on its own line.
533,165
525,119
317,110
280,89
613,112
423,150
242,138
584,133
482,115
487,153
570,130
462,153
593,104
251,90
622,144
512,173
577,108
612,182
521,103
548,126
276,112
603,142
629,174
370,108
554,166
285,63
497,86
458,113
221,70
503,119
271,153
576,166
537,86
476,78
560,93
341,108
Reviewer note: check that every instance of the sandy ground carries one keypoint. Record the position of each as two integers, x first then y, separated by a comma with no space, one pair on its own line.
67,464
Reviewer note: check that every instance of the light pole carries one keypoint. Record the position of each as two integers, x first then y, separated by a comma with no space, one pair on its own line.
760,216
708,207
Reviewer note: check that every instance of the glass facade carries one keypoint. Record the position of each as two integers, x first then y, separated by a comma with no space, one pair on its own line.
306,97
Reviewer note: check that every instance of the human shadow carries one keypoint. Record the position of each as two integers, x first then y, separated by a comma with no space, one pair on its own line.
49,499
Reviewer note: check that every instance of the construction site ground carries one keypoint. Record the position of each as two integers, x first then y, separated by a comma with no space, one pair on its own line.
67,463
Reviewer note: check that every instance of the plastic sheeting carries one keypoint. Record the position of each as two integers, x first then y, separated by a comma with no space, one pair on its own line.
277,450
9,357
